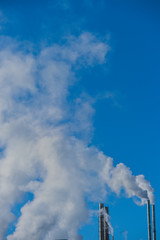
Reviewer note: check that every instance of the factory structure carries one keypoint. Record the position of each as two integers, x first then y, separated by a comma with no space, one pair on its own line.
105,231
149,221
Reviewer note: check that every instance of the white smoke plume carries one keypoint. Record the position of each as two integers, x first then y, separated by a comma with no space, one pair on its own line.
121,178
44,142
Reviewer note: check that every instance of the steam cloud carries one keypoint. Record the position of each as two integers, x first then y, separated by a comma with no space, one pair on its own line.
44,142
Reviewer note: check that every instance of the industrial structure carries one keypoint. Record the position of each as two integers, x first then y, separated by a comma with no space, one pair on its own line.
104,224
104,231
149,221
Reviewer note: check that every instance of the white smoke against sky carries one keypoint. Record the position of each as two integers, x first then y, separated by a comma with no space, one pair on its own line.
105,215
44,142
107,220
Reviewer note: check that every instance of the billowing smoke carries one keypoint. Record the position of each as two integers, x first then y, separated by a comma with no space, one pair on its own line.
44,140
120,178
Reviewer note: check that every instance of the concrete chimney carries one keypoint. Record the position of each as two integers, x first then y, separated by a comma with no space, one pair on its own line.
149,220
101,221
154,222
106,226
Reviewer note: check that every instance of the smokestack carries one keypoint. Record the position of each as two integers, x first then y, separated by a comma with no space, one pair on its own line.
154,222
106,226
149,220
101,221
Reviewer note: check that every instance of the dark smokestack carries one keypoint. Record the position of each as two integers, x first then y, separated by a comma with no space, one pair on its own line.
149,220
106,226
101,221
154,222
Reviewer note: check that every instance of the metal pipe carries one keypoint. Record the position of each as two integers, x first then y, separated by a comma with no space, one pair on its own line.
106,226
101,221
149,220
154,222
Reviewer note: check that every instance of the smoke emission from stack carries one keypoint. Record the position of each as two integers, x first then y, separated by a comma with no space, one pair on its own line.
101,221
105,227
107,223
46,142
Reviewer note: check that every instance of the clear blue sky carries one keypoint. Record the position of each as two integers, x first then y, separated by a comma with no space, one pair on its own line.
127,125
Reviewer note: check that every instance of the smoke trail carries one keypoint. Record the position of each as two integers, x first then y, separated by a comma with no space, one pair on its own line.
44,142
107,220
120,177
105,215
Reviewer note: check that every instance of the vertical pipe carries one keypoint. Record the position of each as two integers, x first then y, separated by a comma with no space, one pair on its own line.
106,226
149,220
101,221
154,222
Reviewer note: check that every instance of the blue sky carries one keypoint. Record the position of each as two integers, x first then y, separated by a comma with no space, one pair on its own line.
123,90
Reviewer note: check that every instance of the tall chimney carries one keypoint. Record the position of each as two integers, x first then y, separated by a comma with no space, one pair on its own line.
101,221
106,226
154,222
149,220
